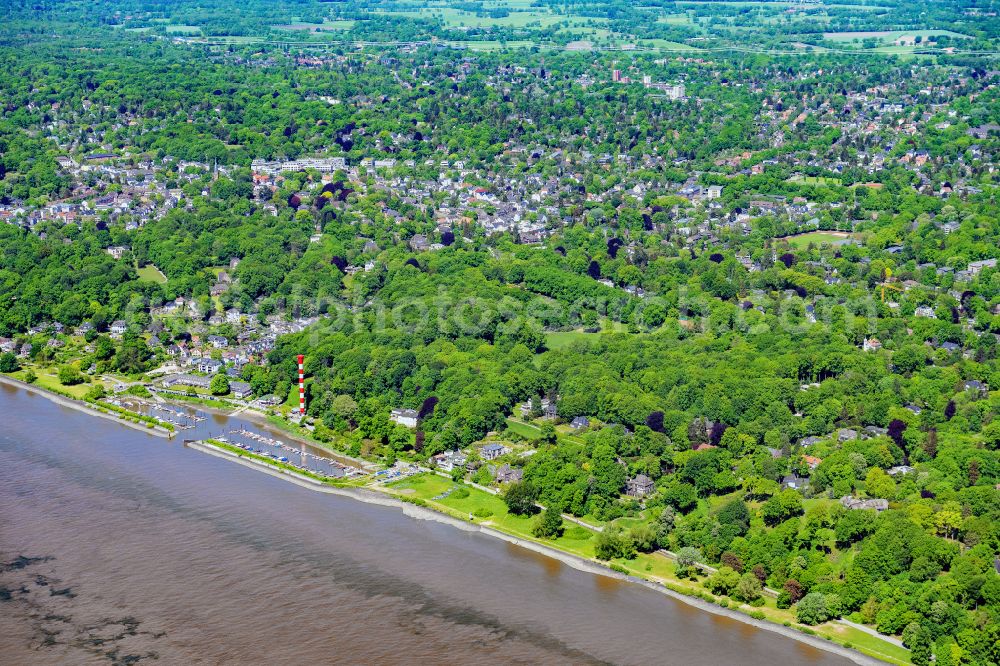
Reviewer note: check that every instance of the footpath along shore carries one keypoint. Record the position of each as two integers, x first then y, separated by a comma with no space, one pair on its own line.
86,408
382,498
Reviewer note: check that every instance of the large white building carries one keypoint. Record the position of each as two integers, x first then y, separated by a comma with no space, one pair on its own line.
321,164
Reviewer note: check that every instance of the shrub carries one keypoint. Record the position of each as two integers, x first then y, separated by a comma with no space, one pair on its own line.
520,498
69,376
749,587
812,609
8,362
612,543
549,525
723,581
138,390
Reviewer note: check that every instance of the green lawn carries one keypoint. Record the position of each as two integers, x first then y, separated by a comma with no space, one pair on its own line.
150,273
676,19
817,237
523,429
46,381
576,539
561,339
183,30
814,180
868,644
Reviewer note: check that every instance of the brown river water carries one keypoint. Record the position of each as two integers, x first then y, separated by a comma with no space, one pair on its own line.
120,547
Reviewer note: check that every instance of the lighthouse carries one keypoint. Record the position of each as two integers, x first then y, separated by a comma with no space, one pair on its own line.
302,390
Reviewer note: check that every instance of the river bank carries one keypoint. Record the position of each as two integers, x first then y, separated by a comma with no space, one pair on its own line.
251,568
86,408
383,498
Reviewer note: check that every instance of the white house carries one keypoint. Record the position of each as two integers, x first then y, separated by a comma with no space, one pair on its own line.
209,366
404,417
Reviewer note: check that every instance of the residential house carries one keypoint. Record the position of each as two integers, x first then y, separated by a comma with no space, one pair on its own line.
976,386
846,434
404,417
218,341
188,380
209,366
419,243
794,481
450,460
871,344
639,486
856,504
240,390
812,461
507,474
976,267
492,451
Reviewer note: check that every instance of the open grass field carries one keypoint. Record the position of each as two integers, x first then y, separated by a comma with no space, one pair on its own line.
768,4
814,180
563,339
488,510
676,19
523,429
46,379
174,29
150,273
816,237
325,26
888,36
491,45
225,39
667,45
519,14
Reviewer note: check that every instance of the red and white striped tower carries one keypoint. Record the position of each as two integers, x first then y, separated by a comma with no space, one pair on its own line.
302,389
